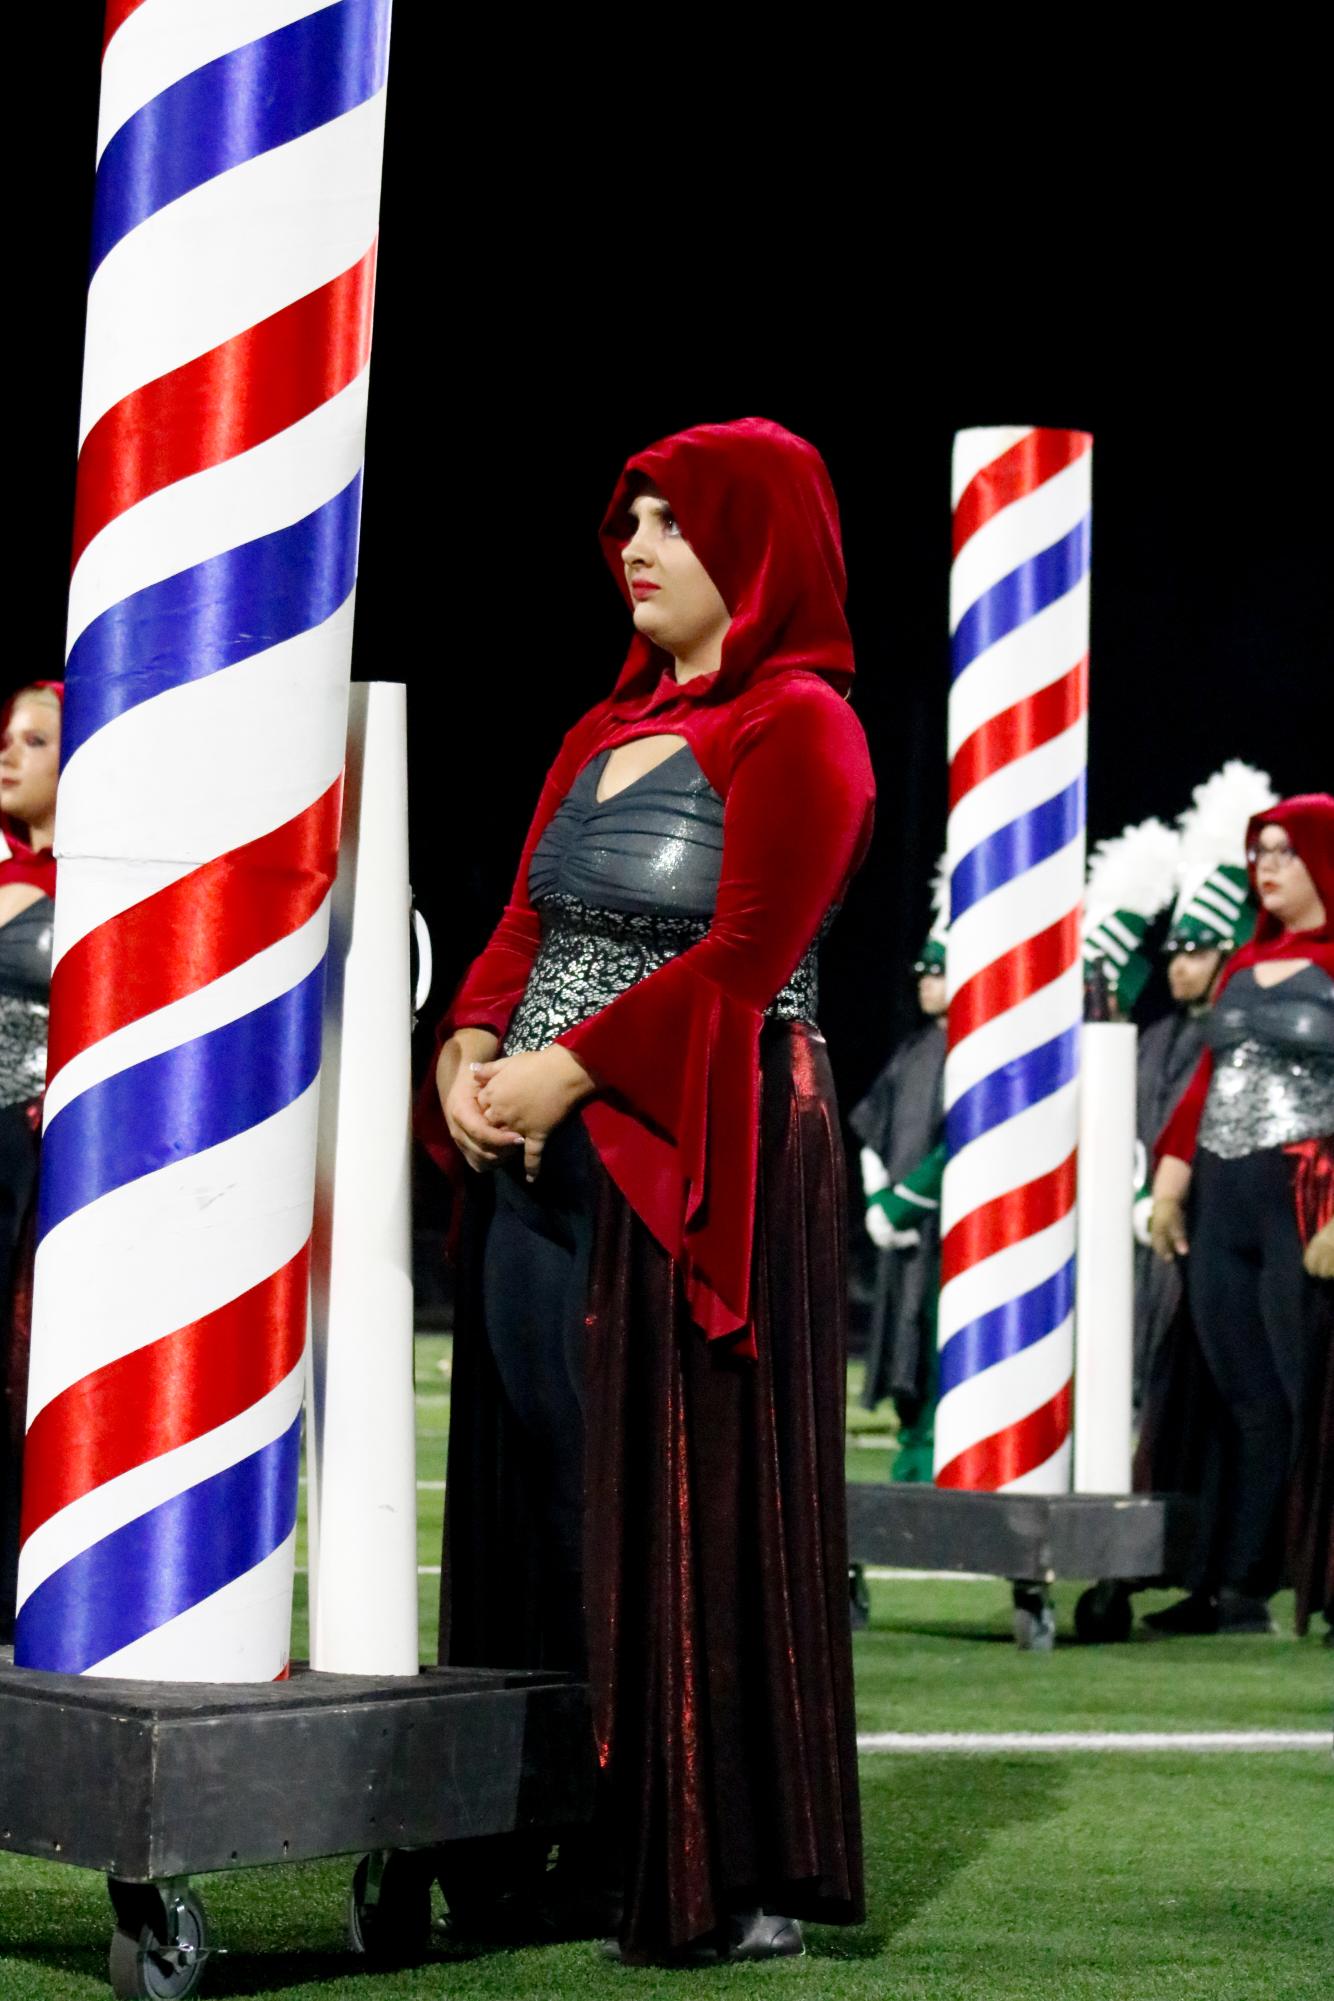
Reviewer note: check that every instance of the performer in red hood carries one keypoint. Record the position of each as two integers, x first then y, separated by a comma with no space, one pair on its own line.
1251,1144
29,765
648,1388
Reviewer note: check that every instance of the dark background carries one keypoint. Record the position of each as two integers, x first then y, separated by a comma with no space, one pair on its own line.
545,310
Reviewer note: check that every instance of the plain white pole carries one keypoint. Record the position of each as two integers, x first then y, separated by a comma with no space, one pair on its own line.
360,1430
1105,1268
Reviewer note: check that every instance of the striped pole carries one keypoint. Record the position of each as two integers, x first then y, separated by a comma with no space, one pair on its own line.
210,630
1018,747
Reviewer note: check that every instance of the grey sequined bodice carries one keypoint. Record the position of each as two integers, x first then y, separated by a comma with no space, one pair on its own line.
1273,1050
622,886
25,986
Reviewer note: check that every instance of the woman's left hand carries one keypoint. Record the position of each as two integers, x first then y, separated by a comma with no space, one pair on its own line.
1319,1258
531,1093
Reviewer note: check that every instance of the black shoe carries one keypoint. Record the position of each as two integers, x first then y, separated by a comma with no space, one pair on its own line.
504,1922
1195,1614
1238,1613
580,1911
700,1952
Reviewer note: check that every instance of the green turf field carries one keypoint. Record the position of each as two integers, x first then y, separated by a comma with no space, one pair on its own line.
1072,1877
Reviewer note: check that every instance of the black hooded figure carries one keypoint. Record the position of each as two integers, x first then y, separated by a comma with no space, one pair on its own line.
901,1121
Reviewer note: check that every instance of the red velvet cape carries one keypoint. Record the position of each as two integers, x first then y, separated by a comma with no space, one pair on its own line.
676,1057
24,863
1308,821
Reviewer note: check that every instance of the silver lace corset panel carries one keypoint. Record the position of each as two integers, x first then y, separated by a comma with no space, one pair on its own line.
25,986
622,886
1273,1050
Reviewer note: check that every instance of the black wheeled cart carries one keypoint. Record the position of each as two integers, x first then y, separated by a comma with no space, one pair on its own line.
1123,1540
155,1782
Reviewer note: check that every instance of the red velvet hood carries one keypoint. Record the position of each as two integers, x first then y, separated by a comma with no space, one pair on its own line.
23,863
756,504
676,1055
1308,821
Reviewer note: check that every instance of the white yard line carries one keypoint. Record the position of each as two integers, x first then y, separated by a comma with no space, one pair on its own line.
884,1576
975,1741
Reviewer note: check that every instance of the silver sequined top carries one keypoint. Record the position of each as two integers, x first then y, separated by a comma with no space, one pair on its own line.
1273,1079
25,984
622,886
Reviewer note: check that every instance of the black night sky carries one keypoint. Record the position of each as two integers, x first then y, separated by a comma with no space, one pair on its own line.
536,323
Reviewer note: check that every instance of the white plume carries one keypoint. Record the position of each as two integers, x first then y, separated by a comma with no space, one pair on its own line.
940,898
1135,870
1213,826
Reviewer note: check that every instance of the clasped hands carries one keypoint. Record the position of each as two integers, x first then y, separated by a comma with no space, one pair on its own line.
511,1101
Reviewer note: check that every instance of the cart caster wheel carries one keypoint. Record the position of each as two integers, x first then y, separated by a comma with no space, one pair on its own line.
389,1909
146,1960
1103,1615
1034,1619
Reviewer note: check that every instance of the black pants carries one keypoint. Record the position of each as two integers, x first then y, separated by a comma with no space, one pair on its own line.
18,1173
1252,1304
535,1285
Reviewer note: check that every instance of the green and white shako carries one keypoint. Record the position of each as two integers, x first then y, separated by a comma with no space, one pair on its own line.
1214,910
931,958
1131,877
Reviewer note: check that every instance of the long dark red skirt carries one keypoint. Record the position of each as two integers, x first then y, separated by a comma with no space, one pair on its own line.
715,1547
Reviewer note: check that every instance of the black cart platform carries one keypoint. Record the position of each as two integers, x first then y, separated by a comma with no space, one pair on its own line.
154,1782
1123,1540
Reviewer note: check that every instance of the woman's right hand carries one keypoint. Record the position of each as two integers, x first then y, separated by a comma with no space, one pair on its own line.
482,1144
1319,1256
1167,1228
1167,1219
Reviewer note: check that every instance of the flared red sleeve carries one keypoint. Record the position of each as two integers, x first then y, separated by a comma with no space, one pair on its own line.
1177,1137
494,983
676,1057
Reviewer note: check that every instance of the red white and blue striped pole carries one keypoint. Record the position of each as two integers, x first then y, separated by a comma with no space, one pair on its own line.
210,627
1018,750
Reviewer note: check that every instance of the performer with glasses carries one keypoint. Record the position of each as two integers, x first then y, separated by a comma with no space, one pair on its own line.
1244,1190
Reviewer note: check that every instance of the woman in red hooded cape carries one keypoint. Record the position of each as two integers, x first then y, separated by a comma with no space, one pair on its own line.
1245,1185
688,1321
29,757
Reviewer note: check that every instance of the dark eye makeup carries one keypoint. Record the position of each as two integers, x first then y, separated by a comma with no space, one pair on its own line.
663,513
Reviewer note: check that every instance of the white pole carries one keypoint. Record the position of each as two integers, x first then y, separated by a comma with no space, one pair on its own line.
1104,1288
360,1428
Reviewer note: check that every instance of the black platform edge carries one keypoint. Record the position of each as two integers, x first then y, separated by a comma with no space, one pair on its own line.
1134,1537
147,1780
